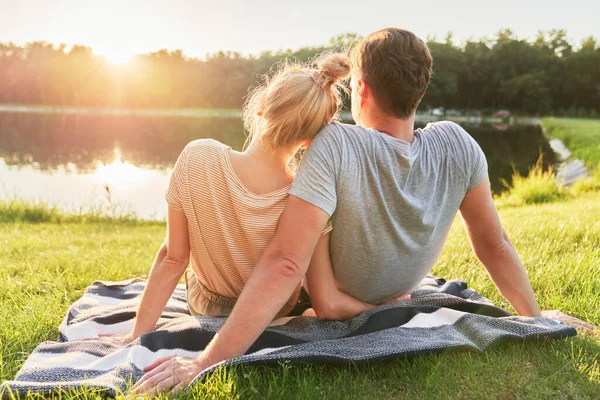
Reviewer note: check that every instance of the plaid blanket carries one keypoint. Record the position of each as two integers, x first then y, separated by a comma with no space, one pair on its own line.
440,316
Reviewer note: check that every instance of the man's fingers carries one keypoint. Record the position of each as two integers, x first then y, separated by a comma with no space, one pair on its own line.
399,298
166,383
157,363
177,389
152,381
569,320
152,371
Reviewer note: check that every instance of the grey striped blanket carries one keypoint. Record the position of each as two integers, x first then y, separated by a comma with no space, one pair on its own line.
440,316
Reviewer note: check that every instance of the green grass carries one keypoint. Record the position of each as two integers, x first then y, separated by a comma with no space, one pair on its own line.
588,184
581,136
538,187
19,210
45,266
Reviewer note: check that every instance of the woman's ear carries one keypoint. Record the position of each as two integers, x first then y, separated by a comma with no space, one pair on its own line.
305,144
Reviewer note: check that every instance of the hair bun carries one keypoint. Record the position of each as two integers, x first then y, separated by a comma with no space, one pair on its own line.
333,67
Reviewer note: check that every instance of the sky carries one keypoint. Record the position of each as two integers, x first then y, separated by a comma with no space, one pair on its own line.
119,29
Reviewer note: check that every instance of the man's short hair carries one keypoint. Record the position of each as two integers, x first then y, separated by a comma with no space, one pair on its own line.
397,66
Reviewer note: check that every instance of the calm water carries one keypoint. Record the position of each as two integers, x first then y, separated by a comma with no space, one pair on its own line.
71,160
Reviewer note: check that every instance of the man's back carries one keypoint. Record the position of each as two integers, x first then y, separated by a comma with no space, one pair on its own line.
392,202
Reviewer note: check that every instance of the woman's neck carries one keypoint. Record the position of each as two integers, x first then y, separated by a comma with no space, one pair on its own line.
279,158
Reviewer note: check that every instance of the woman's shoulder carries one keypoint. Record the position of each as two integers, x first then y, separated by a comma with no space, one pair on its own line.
205,145
203,150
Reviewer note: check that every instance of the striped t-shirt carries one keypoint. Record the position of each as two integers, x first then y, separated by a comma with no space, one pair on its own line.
229,226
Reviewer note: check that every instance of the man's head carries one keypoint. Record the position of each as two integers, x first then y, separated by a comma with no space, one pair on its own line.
391,69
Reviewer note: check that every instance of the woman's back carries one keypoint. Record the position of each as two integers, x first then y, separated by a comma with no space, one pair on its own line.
229,224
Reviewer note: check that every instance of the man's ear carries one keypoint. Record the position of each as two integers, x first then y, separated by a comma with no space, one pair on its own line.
363,91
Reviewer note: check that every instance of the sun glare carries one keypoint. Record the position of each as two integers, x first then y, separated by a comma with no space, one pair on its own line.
119,173
116,54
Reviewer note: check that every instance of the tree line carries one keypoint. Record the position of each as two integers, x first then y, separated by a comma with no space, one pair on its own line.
546,75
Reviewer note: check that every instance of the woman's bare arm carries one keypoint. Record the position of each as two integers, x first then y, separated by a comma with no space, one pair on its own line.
165,274
327,300
171,262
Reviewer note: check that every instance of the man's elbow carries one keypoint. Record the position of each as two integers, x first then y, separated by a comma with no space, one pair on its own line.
327,311
493,250
285,267
277,263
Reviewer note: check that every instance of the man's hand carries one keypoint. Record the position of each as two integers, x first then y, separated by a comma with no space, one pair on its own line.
569,320
170,373
399,298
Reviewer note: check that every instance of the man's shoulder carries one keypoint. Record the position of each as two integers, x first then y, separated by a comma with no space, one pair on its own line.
447,134
448,129
339,133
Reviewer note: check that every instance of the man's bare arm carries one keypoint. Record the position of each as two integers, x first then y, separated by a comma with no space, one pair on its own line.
328,301
495,251
272,281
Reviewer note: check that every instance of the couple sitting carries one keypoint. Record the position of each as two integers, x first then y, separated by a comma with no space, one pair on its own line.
362,221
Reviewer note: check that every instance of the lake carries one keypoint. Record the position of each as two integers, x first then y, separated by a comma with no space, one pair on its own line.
122,163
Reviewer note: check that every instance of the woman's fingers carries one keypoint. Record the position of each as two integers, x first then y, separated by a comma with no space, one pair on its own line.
310,312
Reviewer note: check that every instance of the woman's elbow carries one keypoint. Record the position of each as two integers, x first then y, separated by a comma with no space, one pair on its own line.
175,264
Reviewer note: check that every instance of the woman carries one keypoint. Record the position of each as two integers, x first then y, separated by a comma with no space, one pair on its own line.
224,205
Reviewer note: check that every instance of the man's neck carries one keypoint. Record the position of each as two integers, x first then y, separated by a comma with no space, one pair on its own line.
402,129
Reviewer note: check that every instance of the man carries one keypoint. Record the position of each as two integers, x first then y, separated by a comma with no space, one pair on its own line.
392,194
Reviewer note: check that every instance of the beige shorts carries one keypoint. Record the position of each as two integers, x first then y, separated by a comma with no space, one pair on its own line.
204,302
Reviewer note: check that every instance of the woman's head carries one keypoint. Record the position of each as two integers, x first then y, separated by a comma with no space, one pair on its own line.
296,102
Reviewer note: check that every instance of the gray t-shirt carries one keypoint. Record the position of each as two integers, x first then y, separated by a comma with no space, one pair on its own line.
391,202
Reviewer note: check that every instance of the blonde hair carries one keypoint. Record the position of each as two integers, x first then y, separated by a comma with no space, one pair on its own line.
295,102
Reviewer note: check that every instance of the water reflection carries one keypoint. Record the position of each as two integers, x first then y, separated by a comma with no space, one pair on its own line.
71,160
120,173
53,141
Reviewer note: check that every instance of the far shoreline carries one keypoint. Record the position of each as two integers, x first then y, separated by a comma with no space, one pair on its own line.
225,113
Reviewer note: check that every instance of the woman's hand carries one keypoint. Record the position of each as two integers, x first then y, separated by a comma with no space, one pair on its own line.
112,338
173,373
569,320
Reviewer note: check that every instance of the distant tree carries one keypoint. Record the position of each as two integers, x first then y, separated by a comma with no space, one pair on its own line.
344,41
544,75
